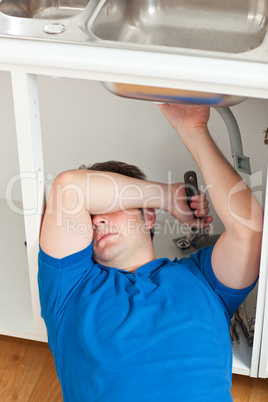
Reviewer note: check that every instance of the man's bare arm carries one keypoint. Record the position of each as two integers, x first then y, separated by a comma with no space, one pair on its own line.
78,194
236,255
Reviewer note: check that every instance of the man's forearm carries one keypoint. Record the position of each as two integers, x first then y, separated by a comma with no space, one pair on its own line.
105,192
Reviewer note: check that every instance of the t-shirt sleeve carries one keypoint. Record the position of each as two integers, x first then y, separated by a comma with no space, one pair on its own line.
230,298
58,279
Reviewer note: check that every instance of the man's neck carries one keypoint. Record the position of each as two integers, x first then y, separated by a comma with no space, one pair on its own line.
133,268
131,262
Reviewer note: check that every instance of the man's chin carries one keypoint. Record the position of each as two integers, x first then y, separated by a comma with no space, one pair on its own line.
105,258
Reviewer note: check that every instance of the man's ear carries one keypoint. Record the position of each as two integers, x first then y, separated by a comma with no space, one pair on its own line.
149,217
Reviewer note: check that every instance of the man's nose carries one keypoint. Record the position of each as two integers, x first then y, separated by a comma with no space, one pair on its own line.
98,220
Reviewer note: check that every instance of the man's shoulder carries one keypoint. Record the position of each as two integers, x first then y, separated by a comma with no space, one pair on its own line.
199,258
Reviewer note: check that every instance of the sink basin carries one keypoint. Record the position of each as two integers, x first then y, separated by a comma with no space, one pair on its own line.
232,26
42,9
171,95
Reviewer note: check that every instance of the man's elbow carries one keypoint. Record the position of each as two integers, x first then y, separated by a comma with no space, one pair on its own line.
66,193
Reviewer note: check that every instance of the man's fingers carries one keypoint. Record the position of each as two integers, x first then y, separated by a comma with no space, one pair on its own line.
201,223
199,205
200,197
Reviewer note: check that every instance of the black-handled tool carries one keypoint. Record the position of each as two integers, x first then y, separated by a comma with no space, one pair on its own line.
198,238
191,189
191,186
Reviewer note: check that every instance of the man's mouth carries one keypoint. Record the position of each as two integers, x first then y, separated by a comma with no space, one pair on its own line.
103,236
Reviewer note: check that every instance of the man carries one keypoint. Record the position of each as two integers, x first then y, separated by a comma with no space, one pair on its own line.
122,325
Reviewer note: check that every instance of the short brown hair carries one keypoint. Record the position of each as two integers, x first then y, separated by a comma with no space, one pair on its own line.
120,168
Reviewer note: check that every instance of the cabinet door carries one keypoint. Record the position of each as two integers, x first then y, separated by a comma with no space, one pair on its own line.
263,366
247,360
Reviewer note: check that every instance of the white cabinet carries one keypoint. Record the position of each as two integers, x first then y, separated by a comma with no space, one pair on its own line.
259,360
262,314
16,317
20,310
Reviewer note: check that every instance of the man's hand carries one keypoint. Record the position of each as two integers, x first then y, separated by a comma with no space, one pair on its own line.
181,211
186,118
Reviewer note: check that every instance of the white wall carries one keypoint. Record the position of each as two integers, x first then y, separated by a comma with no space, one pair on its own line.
82,123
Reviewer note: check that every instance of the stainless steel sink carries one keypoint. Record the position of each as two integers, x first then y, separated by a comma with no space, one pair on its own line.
42,9
220,28
198,26
231,26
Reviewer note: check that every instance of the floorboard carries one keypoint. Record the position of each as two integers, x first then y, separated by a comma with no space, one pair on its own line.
21,365
47,384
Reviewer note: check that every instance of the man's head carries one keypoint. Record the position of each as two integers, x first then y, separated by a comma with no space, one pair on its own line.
120,168
122,239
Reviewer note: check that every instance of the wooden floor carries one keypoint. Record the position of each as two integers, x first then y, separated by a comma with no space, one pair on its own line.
27,374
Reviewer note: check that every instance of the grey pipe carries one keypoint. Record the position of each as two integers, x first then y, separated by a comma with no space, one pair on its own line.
241,162
232,128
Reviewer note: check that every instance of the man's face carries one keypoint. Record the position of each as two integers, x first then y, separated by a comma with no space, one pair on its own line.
119,237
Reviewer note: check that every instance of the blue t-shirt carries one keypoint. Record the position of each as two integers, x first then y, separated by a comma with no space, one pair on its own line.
161,334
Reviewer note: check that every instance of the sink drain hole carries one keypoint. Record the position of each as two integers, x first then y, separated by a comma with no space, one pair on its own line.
54,28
